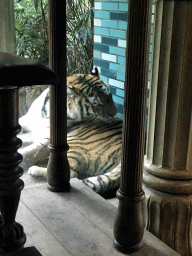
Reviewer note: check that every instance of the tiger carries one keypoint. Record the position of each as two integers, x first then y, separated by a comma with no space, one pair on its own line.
94,154
94,134
87,95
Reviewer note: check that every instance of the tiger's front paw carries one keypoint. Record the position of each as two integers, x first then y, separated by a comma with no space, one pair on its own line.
37,171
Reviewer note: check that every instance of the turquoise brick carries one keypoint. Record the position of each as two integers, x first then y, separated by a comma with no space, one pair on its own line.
121,76
118,100
149,66
101,31
119,115
97,22
123,7
149,76
116,83
97,39
150,57
153,8
116,50
97,54
122,25
112,89
117,67
98,6
151,38
113,66
105,79
110,6
109,23
101,14
121,60
151,29
120,93
122,43
109,57
151,47
109,41
108,73
118,33
101,63
101,47
122,16
119,108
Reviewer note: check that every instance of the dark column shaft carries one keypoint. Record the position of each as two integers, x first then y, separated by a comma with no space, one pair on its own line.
58,168
129,226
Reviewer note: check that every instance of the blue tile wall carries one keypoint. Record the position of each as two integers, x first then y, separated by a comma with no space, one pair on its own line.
110,27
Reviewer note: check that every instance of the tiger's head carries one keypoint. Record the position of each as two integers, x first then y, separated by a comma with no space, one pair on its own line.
95,93
78,107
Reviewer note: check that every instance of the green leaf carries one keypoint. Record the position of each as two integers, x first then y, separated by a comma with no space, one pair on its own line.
36,3
38,88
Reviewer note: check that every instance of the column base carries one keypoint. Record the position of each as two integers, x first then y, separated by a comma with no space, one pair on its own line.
12,237
169,218
127,249
58,170
64,188
129,223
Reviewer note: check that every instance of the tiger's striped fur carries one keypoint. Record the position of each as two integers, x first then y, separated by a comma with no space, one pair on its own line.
94,135
94,154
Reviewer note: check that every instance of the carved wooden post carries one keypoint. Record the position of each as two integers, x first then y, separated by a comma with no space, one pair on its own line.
129,224
12,236
58,172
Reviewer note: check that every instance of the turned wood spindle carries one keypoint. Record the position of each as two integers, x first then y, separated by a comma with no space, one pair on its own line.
129,224
12,236
58,171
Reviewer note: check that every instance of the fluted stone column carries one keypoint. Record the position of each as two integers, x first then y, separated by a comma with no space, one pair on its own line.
8,42
7,26
168,160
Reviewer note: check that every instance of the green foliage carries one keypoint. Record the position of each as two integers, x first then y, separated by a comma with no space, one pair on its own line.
31,23
36,90
79,35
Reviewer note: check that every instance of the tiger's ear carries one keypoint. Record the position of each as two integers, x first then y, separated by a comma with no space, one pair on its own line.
95,72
